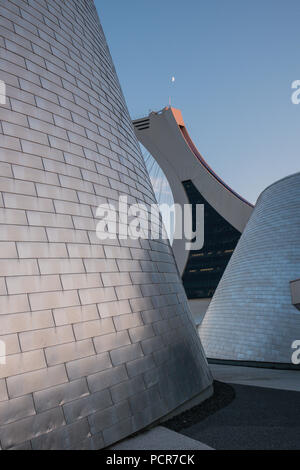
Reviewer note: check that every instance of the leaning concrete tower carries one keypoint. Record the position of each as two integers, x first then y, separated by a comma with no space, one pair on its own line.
98,338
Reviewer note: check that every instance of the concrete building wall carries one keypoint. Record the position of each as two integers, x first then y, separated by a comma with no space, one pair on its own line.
198,307
251,316
99,339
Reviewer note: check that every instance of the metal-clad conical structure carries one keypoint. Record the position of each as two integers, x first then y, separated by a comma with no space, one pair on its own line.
98,337
252,316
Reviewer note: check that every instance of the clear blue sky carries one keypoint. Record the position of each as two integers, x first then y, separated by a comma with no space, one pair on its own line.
234,62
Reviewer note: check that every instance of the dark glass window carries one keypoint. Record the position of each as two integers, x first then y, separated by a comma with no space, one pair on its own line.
205,268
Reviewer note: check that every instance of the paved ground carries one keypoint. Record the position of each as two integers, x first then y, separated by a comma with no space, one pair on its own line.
160,438
258,418
265,414
280,379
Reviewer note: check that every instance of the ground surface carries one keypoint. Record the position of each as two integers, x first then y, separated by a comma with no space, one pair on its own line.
251,409
160,438
257,418
281,379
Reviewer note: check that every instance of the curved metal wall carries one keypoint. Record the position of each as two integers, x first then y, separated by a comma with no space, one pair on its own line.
251,316
99,338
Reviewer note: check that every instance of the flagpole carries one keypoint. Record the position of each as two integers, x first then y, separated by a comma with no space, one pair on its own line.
172,81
